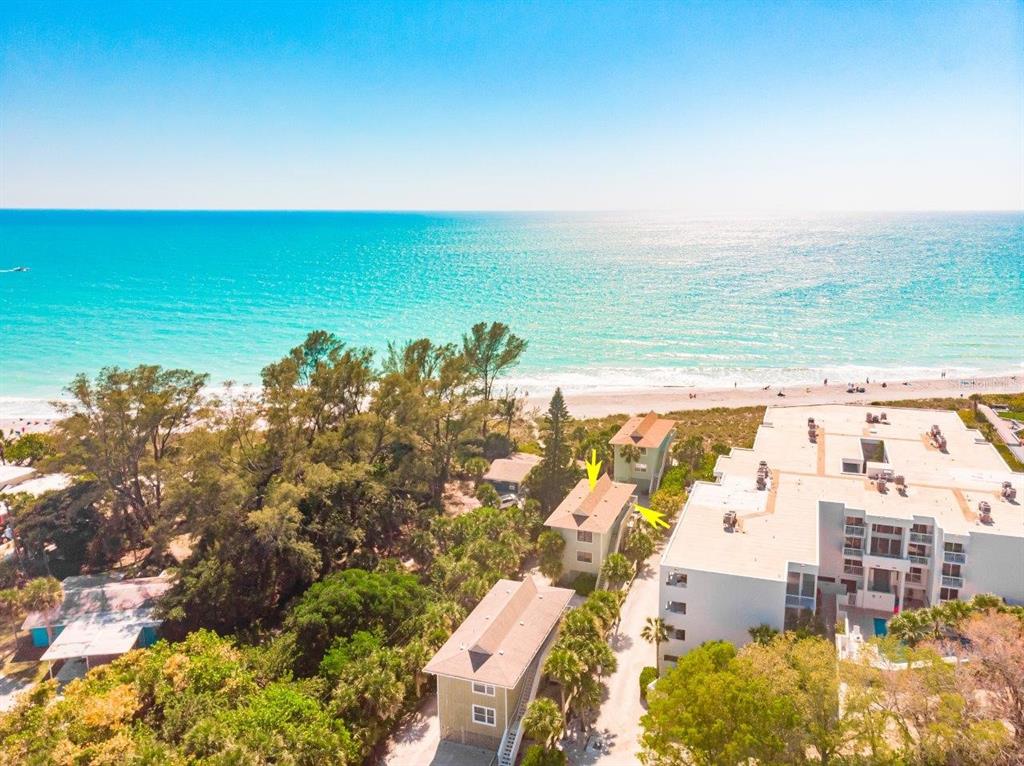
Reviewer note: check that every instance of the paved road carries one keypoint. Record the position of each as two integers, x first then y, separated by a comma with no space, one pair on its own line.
619,719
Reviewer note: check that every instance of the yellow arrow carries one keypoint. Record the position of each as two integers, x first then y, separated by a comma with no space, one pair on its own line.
655,518
593,468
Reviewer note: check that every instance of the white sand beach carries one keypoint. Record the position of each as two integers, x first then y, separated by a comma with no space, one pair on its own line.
587,404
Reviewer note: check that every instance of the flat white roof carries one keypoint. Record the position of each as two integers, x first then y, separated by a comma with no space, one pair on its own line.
779,526
13,474
100,634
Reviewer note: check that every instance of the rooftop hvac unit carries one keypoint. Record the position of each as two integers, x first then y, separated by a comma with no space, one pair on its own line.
985,511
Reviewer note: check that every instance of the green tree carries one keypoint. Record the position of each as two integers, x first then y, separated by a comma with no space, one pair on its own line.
630,453
708,711
566,669
43,594
550,481
617,569
488,496
655,631
476,467
61,530
762,634
550,547
640,545
125,428
11,608
489,351
30,449
543,721
347,601
536,755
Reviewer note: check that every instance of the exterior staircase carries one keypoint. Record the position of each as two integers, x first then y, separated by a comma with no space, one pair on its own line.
513,736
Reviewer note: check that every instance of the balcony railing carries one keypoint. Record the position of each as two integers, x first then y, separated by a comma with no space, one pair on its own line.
952,582
919,559
852,551
886,554
954,557
921,537
915,578
800,602
854,530
852,570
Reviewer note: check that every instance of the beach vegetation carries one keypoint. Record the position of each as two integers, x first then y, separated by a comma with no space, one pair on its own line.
550,547
491,350
28,449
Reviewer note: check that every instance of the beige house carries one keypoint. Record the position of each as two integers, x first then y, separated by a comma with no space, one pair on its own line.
590,522
507,475
652,437
488,671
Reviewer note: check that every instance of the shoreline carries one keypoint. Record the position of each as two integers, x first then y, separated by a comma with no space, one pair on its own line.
595,404
632,401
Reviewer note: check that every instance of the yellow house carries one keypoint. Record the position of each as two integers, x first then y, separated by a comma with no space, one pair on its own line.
589,521
488,671
641,450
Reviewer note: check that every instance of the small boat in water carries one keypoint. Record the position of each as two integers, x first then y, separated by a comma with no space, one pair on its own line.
16,268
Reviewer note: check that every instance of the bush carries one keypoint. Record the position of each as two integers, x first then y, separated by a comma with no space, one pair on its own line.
497,446
536,755
647,676
487,495
584,584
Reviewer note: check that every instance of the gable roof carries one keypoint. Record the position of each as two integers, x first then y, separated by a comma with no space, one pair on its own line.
644,431
515,468
592,510
499,639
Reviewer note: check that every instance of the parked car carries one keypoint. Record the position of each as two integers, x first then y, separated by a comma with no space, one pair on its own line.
507,501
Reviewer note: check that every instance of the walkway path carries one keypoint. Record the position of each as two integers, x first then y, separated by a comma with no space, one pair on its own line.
619,719
1004,431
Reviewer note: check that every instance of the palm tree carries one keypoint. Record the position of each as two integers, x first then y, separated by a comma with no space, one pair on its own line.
476,467
11,606
616,569
43,594
566,669
543,721
762,634
655,632
630,453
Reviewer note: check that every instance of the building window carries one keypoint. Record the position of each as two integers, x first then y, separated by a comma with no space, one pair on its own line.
585,557
584,537
679,607
853,466
670,657
679,633
953,547
853,542
643,450
885,546
639,468
854,521
678,579
949,594
484,715
886,529
479,688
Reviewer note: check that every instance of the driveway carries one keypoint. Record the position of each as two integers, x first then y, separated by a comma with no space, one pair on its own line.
417,742
619,720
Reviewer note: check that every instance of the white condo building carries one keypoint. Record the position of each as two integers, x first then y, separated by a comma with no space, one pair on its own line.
839,510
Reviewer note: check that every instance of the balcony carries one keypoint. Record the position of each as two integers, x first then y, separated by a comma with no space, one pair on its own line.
852,551
852,570
886,555
954,557
800,602
952,582
854,530
921,537
923,560
915,578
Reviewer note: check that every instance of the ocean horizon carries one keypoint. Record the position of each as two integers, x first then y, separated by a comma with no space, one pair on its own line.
607,301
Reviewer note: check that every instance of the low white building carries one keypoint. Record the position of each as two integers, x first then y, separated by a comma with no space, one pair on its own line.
835,514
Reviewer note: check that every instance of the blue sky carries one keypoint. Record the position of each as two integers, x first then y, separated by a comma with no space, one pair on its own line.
697,107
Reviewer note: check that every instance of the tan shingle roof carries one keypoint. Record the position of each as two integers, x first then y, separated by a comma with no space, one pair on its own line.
514,468
592,511
646,431
499,639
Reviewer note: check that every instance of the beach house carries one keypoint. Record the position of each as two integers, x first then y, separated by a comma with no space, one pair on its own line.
507,475
642,450
488,670
590,522
101,617
842,515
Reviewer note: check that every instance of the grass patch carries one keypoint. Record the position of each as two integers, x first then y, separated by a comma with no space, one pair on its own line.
731,426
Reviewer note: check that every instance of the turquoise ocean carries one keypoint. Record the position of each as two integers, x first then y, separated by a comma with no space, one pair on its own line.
607,301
